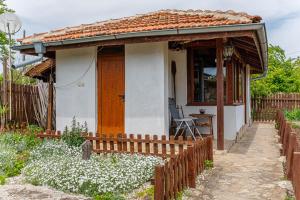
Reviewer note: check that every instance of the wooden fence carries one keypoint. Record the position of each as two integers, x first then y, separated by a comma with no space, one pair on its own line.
22,103
184,159
290,140
265,108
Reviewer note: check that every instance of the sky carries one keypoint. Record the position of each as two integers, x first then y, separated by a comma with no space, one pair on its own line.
282,17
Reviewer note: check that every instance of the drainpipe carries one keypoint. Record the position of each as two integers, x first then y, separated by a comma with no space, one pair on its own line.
39,49
261,76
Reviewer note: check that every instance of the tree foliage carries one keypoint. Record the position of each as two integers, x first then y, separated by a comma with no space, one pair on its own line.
283,74
3,38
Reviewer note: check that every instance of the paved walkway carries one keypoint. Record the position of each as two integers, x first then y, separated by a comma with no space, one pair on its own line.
251,170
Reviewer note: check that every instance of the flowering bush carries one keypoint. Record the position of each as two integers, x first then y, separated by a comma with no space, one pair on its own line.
59,165
14,152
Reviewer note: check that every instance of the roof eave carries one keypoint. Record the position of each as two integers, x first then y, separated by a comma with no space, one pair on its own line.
258,27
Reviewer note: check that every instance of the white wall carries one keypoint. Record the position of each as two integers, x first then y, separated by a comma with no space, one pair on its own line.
146,88
76,87
233,115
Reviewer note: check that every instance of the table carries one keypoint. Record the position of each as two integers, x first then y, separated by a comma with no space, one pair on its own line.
209,122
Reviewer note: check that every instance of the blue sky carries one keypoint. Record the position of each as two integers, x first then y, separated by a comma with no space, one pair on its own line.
281,17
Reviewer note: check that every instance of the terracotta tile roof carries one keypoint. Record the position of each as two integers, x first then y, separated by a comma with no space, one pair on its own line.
159,20
38,69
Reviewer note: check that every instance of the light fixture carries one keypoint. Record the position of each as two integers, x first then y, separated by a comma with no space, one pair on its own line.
228,52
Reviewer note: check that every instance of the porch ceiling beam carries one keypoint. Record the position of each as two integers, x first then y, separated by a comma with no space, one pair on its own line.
220,94
245,47
248,53
248,57
53,46
245,41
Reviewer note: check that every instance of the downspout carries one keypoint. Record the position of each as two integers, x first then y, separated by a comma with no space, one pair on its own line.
261,76
39,49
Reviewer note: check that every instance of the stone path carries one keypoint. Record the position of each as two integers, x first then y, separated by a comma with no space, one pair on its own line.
252,169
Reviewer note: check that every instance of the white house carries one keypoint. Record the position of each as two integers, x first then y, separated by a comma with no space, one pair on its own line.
116,74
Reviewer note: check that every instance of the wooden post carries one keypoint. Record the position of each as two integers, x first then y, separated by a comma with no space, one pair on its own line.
191,167
229,84
220,95
296,174
50,103
4,102
159,185
210,148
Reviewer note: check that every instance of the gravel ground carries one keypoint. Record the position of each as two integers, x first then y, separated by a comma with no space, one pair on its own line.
16,189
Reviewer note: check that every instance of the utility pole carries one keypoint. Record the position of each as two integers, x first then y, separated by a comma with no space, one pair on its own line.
4,87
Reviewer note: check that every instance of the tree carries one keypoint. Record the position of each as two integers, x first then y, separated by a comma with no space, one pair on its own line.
283,74
3,39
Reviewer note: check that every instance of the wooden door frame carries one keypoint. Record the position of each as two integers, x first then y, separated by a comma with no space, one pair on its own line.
106,51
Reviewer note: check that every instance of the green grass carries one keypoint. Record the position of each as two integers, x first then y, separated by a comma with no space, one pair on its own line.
109,196
288,197
148,192
208,164
2,180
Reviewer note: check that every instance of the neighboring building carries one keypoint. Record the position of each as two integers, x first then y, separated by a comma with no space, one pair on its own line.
116,74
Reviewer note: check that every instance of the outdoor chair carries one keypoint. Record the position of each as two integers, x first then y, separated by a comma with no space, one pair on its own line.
182,123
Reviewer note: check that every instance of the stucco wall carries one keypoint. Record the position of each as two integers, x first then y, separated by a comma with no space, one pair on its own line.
233,115
75,87
146,88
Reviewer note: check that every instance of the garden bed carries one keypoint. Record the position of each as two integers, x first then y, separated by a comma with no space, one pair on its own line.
57,165
53,163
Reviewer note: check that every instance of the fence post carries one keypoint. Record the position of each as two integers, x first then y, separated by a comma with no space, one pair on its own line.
159,185
296,174
210,148
289,156
191,167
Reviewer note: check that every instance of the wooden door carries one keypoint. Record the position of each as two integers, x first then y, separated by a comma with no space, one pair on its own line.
111,89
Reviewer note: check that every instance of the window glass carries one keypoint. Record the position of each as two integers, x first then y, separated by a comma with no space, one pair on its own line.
204,70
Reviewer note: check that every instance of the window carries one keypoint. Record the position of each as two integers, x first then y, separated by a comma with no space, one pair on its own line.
202,76
238,82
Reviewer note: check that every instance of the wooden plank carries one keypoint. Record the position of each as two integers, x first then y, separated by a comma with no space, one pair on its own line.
159,188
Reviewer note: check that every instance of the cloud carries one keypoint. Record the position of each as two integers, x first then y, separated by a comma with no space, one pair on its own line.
43,15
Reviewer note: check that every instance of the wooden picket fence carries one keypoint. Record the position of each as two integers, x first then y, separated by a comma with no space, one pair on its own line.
22,103
290,140
184,159
265,108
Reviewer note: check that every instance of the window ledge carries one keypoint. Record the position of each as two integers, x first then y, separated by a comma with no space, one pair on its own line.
212,104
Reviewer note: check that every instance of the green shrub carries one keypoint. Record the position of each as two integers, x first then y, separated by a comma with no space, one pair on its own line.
73,136
293,115
14,152
20,142
208,164
34,129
